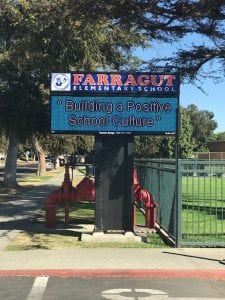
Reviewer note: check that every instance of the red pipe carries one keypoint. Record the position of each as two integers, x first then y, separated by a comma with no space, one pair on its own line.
85,190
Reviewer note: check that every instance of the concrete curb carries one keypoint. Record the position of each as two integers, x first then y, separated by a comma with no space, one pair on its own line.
117,273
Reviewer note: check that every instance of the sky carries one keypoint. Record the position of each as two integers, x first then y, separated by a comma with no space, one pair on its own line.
214,93
212,100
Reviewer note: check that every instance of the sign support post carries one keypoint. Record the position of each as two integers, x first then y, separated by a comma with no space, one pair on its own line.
114,183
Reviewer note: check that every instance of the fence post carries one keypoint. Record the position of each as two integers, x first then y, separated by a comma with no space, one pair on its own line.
178,203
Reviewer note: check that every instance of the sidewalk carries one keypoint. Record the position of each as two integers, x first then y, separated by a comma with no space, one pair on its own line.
100,262
16,215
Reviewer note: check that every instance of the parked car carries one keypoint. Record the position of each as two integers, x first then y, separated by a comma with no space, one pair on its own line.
48,164
61,162
2,156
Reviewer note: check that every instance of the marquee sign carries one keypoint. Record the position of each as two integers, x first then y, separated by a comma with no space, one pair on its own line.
114,103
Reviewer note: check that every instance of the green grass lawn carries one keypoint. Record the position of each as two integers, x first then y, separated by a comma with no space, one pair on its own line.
80,213
33,241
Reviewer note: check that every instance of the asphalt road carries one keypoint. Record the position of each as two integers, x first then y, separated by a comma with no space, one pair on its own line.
46,288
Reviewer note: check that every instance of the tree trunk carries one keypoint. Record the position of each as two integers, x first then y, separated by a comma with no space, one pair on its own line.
10,164
41,166
41,158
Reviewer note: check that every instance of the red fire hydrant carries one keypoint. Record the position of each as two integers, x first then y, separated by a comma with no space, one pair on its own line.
150,212
148,199
66,194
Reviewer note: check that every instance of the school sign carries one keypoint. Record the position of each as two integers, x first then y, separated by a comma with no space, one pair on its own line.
114,103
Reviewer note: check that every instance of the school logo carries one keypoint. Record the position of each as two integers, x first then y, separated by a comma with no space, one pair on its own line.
61,82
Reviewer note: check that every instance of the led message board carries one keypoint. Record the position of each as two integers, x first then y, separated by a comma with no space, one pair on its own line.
106,103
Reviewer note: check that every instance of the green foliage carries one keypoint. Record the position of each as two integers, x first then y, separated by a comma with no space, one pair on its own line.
202,22
186,140
145,146
203,125
196,130
23,103
220,136
67,144
40,37
164,147
62,36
